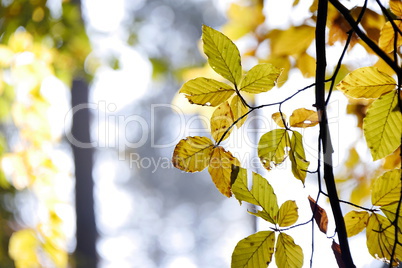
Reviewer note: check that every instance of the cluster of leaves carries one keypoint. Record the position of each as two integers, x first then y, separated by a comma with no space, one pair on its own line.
194,154
381,123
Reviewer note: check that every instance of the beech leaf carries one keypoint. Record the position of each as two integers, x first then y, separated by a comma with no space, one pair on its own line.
221,120
320,215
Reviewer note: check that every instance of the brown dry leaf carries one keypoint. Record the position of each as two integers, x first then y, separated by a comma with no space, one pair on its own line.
320,215
338,254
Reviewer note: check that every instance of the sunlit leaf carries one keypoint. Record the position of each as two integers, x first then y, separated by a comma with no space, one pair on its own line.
293,41
204,91
260,78
387,188
297,157
261,194
271,147
355,222
284,64
288,214
396,7
320,215
220,169
306,65
243,19
390,212
387,37
366,82
383,126
238,110
23,247
303,118
393,160
381,239
223,55
287,253
192,153
279,118
221,120
254,251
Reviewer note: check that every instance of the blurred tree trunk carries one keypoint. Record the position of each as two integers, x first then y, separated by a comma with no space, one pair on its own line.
86,234
86,255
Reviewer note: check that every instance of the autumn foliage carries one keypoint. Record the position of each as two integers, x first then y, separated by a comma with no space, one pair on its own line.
377,88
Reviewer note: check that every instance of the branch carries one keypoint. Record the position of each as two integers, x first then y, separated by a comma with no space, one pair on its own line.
325,138
346,14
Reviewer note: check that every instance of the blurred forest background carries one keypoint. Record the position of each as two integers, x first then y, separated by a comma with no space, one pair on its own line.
115,60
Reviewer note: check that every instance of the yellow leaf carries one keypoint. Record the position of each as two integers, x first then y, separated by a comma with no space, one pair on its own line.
261,194
393,160
261,78
279,118
192,153
284,64
293,41
396,7
297,157
271,147
220,169
288,254
288,214
221,121
306,65
381,239
387,37
355,222
243,19
23,248
382,126
238,110
303,118
223,55
366,82
390,213
387,188
204,91
254,251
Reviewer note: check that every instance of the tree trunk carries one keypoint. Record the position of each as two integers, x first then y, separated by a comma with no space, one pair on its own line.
86,256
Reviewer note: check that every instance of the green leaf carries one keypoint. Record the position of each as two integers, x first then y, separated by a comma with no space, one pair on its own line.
204,91
366,82
221,121
254,251
261,194
297,157
288,214
381,239
383,126
223,55
271,147
387,188
260,78
192,153
288,254
355,222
